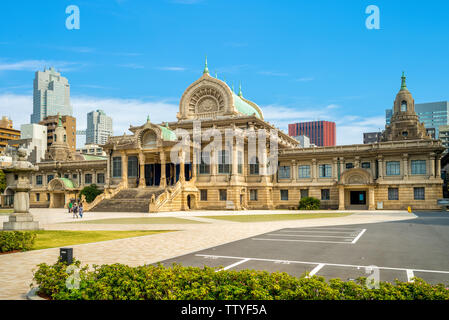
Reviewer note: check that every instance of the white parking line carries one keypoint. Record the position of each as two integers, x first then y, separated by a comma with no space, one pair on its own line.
410,275
316,269
327,229
358,237
245,259
306,235
297,240
234,264
313,231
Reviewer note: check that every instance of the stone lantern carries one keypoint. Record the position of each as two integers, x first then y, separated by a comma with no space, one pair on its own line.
21,219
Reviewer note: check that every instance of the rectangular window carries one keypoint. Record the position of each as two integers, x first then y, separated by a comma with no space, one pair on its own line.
74,176
116,167
393,194
205,163
325,194
48,197
284,194
38,197
132,167
366,165
284,172
304,193
66,175
240,162
419,193
223,162
418,166
393,168
50,177
88,178
39,180
253,195
254,166
349,165
325,170
100,178
304,171
203,195
223,195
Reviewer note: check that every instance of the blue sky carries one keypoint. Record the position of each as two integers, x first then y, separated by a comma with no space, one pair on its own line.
298,60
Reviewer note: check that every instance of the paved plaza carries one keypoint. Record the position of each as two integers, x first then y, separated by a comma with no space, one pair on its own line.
16,269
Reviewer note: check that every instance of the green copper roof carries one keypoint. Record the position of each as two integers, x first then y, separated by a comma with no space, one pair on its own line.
206,70
244,107
403,84
92,157
67,182
167,134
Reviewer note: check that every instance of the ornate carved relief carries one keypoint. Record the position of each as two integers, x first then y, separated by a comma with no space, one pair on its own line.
206,100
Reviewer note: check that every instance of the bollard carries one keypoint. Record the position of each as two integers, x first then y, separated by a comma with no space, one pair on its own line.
66,255
409,209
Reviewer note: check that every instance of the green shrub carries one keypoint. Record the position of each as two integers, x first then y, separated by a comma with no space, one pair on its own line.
309,203
16,240
91,192
122,282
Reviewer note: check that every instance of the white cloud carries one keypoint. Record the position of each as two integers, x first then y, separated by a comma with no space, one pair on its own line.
124,112
131,66
33,65
305,79
273,73
172,68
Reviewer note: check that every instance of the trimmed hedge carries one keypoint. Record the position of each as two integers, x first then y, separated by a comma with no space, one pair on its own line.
91,192
16,240
122,282
309,203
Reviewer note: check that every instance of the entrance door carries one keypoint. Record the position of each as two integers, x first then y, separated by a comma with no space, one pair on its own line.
358,197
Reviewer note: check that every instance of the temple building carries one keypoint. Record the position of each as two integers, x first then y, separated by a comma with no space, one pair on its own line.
166,167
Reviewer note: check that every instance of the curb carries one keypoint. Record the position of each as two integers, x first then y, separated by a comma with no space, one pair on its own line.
32,295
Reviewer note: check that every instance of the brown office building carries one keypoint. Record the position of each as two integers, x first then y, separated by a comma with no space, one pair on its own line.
69,124
7,132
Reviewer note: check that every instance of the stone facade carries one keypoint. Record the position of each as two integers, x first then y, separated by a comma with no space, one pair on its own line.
164,167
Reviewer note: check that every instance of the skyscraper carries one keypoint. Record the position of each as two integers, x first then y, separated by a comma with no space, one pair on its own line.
51,95
99,127
320,133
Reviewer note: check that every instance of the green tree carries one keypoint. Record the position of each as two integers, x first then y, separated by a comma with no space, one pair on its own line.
91,192
2,181
309,203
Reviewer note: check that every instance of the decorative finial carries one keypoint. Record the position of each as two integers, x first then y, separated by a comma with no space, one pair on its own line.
233,87
148,118
59,121
403,84
206,70
216,75
240,90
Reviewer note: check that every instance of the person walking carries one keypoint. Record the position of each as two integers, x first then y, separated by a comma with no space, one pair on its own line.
70,206
75,210
81,209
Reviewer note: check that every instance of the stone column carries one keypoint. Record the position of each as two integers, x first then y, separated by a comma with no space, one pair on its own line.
438,171
405,165
163,181
341,198
314,170
213,165
234,162
294,173
108,170
432,165
194,163
335,169
381,167
342,165
181,166
125,169
371,202
142,182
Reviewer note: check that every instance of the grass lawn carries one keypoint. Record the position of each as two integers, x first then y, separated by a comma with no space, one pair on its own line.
277,217
156,220
60,238
6,212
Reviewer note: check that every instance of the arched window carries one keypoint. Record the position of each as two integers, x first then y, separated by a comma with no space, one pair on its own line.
149,140
404,106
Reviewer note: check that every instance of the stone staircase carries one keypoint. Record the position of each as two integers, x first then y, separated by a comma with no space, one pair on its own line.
128,200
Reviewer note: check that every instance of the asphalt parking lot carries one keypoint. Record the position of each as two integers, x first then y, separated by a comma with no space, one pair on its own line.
396,250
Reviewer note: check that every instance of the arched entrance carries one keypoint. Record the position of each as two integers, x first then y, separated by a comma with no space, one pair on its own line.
58,189
191,201
356,190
